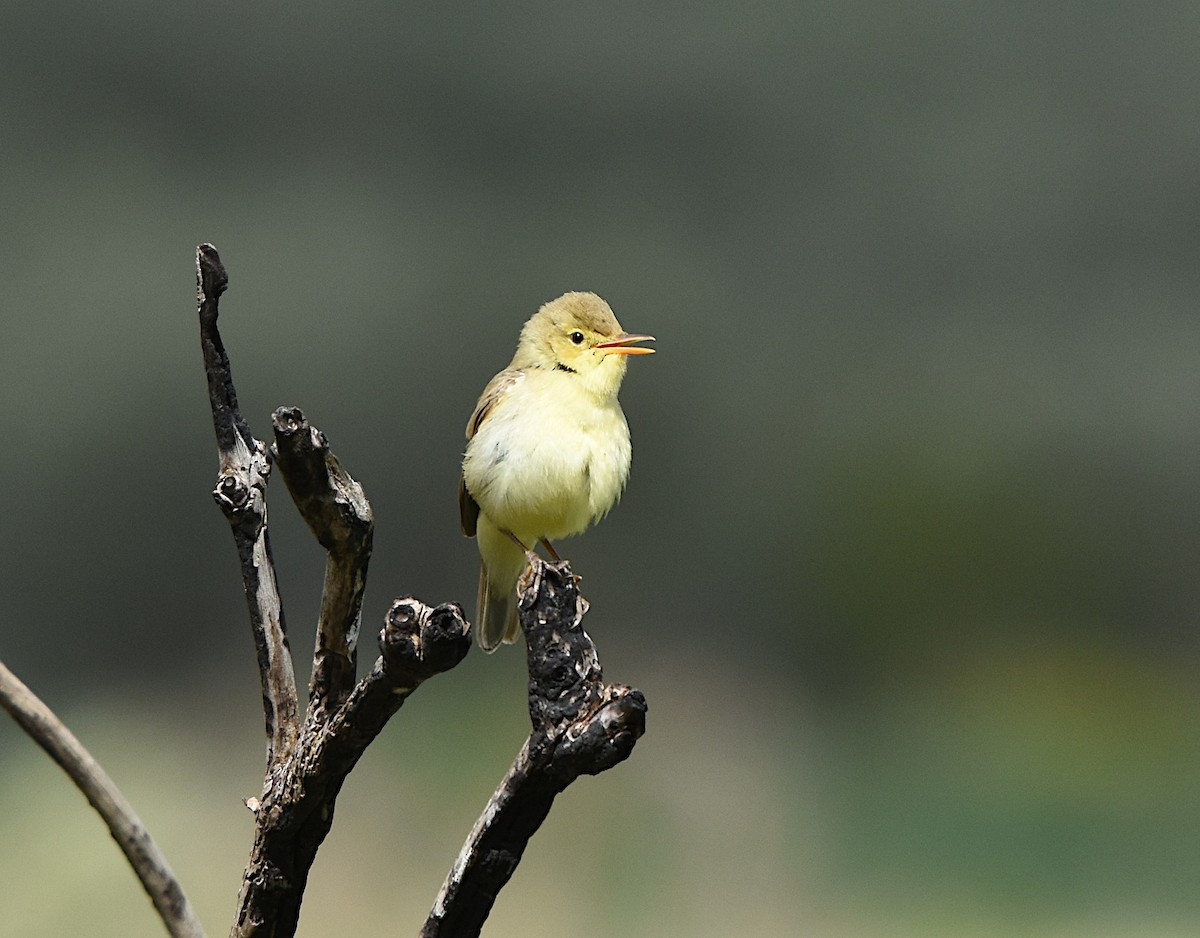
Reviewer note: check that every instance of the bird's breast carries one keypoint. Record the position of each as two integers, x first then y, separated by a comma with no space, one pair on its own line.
549,460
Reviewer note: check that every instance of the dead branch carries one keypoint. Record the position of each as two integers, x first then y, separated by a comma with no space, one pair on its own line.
308,763
336,510
296,811
102,793
241,493
581,726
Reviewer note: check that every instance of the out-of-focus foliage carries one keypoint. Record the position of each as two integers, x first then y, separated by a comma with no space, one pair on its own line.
907,564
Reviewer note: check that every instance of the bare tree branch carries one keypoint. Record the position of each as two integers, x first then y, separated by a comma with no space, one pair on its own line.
297,808
417,642
102,793
581,726
241,494
336,509
308,763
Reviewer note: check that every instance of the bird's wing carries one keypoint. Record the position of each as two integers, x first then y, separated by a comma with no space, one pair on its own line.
468,508
495,391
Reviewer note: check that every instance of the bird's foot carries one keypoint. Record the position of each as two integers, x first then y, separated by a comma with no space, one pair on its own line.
531,578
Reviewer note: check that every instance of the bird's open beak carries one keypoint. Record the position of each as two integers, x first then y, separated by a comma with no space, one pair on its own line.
622,345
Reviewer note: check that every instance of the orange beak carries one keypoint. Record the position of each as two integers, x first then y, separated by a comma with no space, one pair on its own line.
621,345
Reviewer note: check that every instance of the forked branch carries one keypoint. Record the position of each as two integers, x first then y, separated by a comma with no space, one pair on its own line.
296,811
580,725
307,763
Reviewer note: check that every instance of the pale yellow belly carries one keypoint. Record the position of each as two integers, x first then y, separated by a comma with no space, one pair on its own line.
548,468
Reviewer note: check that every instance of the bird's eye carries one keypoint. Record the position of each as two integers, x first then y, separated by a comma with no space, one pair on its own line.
577,338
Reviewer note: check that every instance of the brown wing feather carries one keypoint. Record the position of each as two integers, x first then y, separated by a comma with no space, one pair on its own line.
495,390
468,508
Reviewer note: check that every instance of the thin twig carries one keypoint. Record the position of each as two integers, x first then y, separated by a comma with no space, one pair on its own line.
581,726
148,862
241,495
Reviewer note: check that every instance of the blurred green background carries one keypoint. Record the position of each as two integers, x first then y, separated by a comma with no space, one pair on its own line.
906,568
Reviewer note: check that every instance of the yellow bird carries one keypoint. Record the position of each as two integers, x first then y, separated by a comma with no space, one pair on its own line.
548,448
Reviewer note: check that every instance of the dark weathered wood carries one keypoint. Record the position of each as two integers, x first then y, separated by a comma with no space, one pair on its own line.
307,763
336,510
102,793
296,811
241,493
580,726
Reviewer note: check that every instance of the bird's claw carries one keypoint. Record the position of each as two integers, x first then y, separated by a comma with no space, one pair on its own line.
531,578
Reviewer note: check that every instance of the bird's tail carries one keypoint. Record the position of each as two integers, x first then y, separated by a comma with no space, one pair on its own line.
496,620
502,563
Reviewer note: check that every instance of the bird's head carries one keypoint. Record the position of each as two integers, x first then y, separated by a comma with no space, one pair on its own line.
578,334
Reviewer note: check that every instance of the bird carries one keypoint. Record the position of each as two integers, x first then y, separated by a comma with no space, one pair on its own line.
548,449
